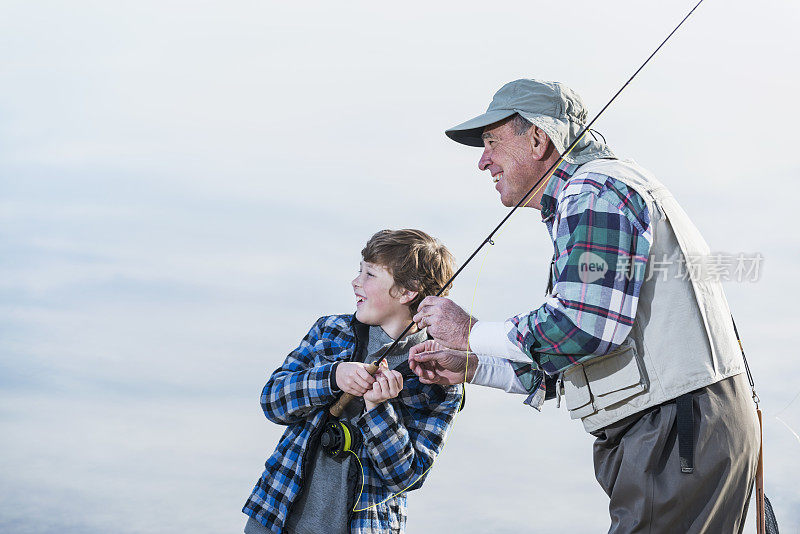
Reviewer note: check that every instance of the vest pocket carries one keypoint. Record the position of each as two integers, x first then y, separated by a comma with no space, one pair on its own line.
615,377
603,381
577,395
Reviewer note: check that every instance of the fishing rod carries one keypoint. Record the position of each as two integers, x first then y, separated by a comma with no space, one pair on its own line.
337,408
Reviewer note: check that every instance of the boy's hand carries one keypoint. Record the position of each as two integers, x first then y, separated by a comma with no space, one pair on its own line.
353,378
388,385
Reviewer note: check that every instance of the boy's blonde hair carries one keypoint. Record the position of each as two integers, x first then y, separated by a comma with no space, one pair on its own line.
416,261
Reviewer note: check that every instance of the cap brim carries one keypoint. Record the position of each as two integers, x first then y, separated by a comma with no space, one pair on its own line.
469,133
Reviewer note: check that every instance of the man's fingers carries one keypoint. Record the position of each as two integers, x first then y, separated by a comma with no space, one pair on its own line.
427,301
422,311
431,380
428,374
429,356
427,308
425,346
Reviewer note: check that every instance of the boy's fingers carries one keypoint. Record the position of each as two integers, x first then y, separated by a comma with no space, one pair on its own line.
384,384
357,389
396,379
361,383
395,384
363,374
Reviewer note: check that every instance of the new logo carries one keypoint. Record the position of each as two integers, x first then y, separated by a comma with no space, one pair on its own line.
591,267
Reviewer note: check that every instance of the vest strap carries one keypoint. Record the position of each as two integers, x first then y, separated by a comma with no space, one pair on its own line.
685,420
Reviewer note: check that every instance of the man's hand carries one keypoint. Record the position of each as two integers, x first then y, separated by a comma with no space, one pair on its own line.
353,378
388,385
434,364
446,322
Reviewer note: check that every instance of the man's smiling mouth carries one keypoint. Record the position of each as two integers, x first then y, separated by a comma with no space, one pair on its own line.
496,178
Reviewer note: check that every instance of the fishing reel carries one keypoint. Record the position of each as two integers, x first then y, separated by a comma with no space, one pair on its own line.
339,438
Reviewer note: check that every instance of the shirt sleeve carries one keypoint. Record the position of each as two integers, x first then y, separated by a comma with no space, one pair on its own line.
488,338
501,363
297,387
601,244
497,373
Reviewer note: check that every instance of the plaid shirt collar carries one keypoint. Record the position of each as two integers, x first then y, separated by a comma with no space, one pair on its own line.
556,184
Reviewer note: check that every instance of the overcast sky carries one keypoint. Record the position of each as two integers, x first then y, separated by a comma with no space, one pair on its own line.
186,187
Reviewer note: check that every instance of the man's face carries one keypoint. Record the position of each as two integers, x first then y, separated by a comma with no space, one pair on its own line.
509,159
375,303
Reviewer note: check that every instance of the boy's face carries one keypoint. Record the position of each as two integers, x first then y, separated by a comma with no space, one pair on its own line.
375,303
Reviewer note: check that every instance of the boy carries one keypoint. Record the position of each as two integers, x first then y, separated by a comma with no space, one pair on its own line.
399,422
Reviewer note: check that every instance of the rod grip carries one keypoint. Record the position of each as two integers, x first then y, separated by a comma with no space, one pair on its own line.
337,409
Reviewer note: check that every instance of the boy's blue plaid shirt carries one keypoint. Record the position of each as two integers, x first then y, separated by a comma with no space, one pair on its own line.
590,218
402,436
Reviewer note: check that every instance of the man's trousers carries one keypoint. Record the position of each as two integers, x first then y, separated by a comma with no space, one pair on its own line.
637,463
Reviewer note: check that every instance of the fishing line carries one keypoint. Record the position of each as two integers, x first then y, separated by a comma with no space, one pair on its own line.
522,202
790,403
790,428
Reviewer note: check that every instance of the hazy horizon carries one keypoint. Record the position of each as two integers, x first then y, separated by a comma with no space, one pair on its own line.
187,187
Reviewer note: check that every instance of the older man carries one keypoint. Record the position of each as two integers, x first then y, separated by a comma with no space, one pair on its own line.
632,333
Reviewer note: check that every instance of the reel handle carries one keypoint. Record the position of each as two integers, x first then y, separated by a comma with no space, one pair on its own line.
337,409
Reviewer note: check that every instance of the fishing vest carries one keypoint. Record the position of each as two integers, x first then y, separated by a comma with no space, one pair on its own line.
682,337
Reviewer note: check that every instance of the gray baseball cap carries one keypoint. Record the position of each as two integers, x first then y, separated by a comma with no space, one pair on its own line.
552,106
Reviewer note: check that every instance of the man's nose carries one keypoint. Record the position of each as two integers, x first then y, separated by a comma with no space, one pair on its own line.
485,160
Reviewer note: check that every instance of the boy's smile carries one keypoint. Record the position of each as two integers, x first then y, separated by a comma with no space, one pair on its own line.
378,301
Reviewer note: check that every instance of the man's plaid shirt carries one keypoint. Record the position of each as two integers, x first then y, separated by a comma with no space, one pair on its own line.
402,436
592,219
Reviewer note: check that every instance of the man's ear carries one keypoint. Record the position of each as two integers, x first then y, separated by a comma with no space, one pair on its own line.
540,142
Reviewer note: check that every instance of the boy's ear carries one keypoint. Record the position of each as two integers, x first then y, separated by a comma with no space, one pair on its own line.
407,296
